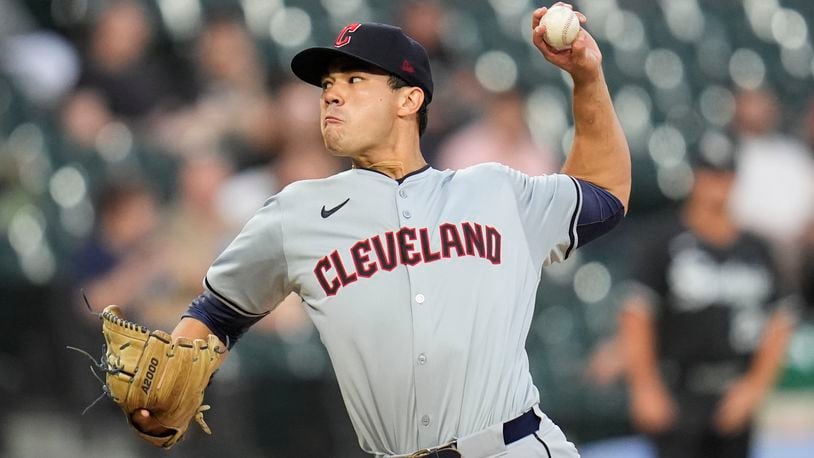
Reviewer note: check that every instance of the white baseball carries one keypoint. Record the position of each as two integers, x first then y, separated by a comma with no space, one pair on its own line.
561,27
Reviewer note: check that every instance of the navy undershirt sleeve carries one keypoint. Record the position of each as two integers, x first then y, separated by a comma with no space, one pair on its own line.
222,320
601,211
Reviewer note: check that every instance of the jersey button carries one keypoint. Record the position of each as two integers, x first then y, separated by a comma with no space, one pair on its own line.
425,420
406,214
422,358
403,194
419,298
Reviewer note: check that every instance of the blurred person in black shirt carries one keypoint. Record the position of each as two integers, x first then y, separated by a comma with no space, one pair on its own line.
773,194
702,329
121,258
119,65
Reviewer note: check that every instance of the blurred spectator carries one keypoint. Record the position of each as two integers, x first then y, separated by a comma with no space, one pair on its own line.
703,331
119,66
228,57
83,116
428,21
121,258
774,190
424,20
106,148
455,103
301,155
233,111
501,136
191,238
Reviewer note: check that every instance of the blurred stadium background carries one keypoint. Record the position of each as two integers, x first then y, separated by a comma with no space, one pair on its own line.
137,137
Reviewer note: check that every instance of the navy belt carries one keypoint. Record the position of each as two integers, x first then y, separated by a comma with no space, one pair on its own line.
513,430
520,427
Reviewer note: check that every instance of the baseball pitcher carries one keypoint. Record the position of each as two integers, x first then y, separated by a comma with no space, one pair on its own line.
420,281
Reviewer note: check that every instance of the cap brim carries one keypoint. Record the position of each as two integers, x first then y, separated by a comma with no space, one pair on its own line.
311,65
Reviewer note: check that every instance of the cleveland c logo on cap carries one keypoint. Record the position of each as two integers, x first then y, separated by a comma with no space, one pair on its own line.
344,35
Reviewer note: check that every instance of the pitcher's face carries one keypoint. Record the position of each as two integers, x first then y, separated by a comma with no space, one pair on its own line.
357,108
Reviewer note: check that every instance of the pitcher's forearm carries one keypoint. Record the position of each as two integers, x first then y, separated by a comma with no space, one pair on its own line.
600,152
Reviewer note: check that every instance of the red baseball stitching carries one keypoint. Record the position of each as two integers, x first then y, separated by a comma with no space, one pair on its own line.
567,26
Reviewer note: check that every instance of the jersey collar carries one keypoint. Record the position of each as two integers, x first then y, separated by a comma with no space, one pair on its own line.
400,180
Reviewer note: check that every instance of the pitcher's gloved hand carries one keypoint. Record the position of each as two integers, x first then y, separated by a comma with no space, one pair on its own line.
150,371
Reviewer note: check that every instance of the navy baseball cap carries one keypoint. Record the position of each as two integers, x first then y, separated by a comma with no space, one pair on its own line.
381,45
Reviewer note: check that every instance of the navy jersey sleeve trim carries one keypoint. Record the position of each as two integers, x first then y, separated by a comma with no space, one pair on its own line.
220,318
230,303
601,211
573,233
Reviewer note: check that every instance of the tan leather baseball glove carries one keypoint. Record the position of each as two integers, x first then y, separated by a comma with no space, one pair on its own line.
149,370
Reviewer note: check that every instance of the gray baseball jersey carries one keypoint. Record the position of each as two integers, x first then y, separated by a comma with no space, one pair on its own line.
422,290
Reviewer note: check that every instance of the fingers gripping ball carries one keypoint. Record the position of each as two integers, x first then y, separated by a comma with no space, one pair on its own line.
561,27
148,370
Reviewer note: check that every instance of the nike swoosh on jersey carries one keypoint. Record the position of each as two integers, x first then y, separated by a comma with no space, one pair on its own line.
327,213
